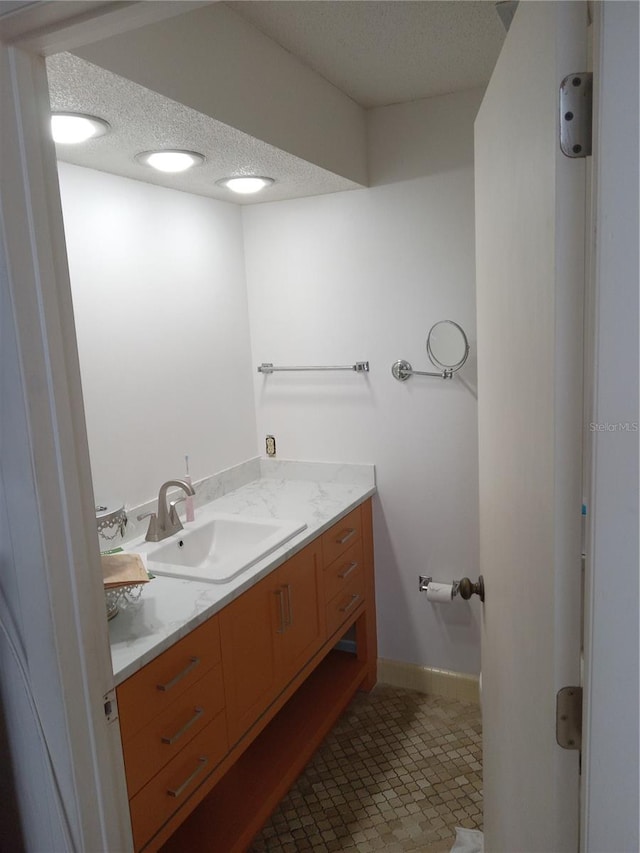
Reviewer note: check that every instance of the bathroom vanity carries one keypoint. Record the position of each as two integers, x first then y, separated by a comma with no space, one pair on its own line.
221,709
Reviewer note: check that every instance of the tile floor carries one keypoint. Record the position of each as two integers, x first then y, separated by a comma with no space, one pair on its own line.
398,772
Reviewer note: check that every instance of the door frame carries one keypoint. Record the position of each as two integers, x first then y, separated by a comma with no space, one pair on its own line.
609,789
51,389
51,574
51,579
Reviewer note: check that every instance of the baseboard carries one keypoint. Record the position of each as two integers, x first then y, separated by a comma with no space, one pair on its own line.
425,679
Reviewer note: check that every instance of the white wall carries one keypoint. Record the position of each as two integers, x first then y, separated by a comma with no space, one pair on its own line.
363,275
161,314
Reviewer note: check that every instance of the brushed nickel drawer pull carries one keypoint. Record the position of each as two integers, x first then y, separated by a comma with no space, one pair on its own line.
353,600
193,663
170,740
349,533
176,792
353,565
283,620
289,605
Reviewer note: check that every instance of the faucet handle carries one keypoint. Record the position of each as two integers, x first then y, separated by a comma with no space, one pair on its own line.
174,518
152,532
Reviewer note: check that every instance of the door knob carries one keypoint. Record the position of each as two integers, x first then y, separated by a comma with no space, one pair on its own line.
466,589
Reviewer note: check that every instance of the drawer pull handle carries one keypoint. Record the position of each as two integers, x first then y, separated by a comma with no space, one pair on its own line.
193,663
283,620
289,606
353,565
352,601
349,533
176,792
171,740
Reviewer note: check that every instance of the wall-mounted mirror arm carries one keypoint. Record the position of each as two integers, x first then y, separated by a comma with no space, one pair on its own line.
447,348
402,370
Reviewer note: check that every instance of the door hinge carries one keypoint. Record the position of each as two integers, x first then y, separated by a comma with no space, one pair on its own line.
110,706
576,110
569,717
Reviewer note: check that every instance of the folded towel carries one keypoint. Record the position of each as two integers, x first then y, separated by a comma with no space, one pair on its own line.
123,570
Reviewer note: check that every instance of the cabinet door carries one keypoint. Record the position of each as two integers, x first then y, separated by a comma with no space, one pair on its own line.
248,656
298,615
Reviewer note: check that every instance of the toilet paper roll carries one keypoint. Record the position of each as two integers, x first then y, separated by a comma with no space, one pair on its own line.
442,592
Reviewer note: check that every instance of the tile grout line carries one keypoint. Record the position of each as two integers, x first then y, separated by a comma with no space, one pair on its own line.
397,773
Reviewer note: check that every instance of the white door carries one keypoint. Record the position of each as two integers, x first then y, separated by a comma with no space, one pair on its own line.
530,202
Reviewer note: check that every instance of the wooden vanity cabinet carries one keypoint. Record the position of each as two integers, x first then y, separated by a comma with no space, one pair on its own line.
154,688
176,782
338,539
249,656
344,575
268,634
250,694
300,630
173,728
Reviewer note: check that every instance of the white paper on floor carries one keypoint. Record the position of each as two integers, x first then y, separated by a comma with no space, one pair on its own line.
468,841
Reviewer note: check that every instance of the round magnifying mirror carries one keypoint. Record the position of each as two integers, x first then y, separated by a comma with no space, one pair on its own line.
447,345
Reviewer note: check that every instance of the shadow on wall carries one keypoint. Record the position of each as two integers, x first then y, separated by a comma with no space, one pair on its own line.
421,138
411,629
394,619
469,373
11,840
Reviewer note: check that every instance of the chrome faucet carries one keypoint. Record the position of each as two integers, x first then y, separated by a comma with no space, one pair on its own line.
166,522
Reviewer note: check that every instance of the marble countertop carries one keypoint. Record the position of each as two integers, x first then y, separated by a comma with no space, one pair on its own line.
170,608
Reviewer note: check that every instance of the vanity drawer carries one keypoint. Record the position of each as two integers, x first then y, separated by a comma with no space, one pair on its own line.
150,691
172,786
345,603
164,736
342,571
341,536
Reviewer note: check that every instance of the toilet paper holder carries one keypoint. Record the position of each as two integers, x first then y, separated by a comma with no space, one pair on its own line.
464,588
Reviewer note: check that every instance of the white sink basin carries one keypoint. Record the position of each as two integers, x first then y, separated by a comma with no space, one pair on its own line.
218,548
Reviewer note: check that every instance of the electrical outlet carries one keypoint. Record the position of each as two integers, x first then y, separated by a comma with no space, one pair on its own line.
270,442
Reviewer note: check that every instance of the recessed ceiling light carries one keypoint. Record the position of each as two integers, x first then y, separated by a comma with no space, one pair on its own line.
72,128
246,184
170,160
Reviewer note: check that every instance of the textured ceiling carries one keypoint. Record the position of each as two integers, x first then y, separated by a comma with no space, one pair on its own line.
382,53
377,53
142,120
